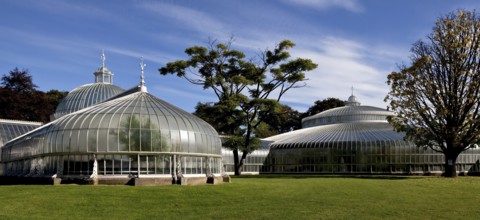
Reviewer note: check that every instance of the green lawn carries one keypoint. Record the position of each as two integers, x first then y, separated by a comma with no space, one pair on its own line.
253,197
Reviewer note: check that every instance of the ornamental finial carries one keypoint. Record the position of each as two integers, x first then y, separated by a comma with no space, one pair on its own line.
103,58
352,100
142,77
142,68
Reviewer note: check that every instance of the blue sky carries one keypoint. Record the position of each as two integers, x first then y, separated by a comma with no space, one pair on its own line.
355,43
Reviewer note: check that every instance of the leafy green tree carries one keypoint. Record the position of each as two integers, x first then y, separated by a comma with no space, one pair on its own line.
55,97
437,96
242,86
16,95
282,119
20,99
264,130
226,119
320,106
19,81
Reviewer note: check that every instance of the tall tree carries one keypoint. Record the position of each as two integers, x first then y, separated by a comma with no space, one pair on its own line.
19,81
248,88
20,100
320,106
437,97
17,95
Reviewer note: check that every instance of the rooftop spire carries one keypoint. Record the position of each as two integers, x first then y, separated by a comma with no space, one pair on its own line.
352,100
103,75
103,58
142,86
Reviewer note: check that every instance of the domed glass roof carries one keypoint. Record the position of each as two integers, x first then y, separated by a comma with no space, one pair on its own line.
347,114
352,112
89,94
135,122
336,134
351,123
85,96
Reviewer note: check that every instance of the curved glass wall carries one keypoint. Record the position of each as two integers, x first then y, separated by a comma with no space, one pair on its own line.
360,147
365,158
136,133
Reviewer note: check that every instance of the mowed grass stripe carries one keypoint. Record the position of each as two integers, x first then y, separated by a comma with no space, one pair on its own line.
253,197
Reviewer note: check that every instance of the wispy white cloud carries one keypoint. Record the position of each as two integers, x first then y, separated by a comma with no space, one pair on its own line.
161,30
342,63
181,92
187,17
71,8
39,40
350,5
151,55
83,47
183,95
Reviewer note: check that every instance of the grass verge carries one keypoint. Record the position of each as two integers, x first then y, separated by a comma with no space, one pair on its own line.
253,197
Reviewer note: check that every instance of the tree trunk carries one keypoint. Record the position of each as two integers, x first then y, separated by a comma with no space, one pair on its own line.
236,164
450,163
239,166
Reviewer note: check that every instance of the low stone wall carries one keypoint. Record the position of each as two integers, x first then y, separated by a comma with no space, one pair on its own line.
116,181
142,181
152,181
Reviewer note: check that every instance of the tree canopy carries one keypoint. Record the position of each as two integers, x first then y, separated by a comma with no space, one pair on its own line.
247,89
20,100
323,105
282,119
437,96
18,81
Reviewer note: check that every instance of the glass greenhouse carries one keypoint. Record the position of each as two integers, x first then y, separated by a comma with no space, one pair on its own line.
355,139
131,136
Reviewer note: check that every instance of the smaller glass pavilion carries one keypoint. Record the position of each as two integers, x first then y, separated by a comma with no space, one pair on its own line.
355,139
